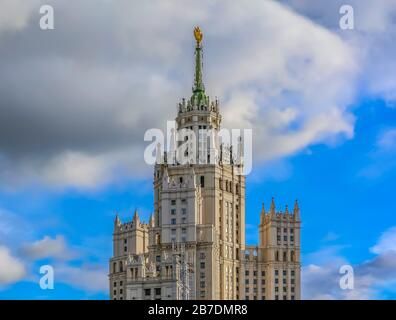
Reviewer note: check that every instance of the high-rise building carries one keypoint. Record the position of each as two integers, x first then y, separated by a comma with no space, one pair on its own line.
193,246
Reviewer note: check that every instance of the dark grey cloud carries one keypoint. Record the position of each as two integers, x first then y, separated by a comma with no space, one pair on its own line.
76,101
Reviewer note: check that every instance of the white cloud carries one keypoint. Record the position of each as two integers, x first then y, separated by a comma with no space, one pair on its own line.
87,277
320,276
49,248
14,14
386,243
275,71
11,268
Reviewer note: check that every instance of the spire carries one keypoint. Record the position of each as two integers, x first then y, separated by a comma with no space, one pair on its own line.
117,221
296,211
272,209
262,216
136,217
198,88
287,210
151,220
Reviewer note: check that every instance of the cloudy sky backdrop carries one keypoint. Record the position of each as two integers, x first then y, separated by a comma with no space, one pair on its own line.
75,103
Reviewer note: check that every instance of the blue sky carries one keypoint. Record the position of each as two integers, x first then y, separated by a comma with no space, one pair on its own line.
321,103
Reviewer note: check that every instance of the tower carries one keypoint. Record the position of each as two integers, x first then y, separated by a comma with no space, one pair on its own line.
193,246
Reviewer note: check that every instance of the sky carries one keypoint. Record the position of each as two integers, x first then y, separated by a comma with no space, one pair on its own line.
76,101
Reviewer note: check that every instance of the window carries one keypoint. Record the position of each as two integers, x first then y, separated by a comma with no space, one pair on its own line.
158,258
277,256
292,281
202,255
147,292
284,289
255,273
184,220
202,265
202,181
254,281
121,283
285,230
183,201
157,291
202,275
276,297
184,211
246,297
173,212
246,290
276,280
292,289
292,256
276,272
292,273
173,221
125,241
246,272
292,297
125,249
284,272
247,281
285,238
114,267
262,281
120,291
115,292
121,267
284,297
115,284
173,202
181,180
263,290
263,273
202,284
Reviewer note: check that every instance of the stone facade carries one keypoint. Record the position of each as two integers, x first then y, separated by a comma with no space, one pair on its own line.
193,246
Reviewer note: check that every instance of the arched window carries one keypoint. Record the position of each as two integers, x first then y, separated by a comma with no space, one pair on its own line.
114,267
277,256
292,256
284,256
121,267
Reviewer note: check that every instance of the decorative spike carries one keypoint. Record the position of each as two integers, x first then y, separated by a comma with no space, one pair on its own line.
117,221
296,210
287,210
262,216
151,220
136,216
273,208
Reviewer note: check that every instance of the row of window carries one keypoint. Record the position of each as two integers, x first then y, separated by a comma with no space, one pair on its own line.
285,256
276,297
229,186
157,292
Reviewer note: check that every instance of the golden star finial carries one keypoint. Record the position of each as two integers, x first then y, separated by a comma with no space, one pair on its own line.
198,35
